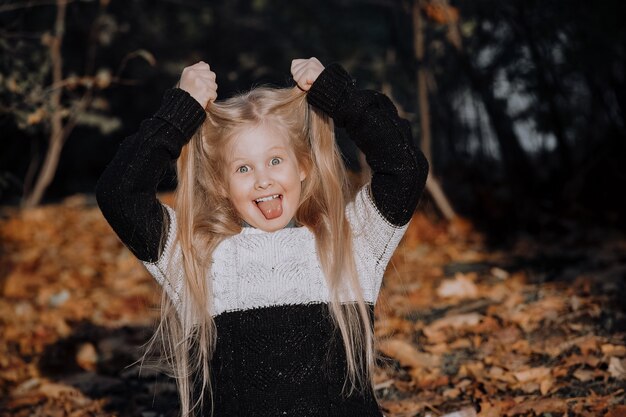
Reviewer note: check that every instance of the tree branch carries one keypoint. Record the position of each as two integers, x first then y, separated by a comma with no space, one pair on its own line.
34,3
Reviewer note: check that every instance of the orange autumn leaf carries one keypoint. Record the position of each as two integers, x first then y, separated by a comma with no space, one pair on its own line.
532,374
407,354
544,405
618,411
442,13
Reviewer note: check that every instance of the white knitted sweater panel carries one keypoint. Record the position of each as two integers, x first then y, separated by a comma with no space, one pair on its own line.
256,269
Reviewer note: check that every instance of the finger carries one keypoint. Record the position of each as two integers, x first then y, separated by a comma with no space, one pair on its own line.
300,69
297,64
203,79
197,67
208,86
206,78
309,78
310,72
301,75
297,76
315,60
297,67
302,83
201,67
202,71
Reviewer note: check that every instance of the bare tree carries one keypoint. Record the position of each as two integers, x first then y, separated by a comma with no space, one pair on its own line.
58,131
432,185
516,162
42,101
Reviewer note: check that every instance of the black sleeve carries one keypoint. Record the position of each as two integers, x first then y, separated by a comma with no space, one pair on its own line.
399,168
126,190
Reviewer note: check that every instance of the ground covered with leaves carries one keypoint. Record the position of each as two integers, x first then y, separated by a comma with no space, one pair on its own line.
529,327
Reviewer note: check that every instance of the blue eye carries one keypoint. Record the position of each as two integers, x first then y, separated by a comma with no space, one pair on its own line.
243,169
275,161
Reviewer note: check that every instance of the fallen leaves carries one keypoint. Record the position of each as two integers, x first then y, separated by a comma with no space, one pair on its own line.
462,329
506,338
406,353
539,406
459,287
617,368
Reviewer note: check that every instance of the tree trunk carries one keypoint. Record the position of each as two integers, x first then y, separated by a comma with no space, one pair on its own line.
432,185
422,88
516,162
56,138
548,88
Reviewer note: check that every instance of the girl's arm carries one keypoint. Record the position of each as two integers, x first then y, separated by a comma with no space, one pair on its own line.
399,168
126,190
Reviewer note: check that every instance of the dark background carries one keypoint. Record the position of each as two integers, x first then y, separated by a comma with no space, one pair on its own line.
527,116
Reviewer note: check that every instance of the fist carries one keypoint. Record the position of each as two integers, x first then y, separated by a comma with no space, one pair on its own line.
199,81
306,71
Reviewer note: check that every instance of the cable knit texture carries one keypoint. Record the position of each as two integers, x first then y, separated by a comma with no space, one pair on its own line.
260,269
278,352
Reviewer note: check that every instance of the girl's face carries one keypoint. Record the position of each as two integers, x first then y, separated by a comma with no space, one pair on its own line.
263,177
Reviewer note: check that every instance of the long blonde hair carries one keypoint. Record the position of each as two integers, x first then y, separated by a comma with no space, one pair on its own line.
189,335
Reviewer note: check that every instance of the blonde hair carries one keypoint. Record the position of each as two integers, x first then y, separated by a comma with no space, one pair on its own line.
189,335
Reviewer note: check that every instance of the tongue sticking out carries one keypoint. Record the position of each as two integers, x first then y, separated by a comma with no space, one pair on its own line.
271,209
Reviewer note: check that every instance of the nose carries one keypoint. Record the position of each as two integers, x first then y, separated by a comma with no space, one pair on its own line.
263,181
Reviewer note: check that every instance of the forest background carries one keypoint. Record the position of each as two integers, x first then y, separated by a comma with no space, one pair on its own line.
519,105
504,298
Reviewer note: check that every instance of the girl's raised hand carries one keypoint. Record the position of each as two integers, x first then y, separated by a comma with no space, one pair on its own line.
306,71
199,81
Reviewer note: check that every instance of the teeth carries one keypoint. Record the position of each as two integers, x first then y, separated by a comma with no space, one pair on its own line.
271,197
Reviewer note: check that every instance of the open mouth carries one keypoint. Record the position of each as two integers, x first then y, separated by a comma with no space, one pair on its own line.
268,198
271,206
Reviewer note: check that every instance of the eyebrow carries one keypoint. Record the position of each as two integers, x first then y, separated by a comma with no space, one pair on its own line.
277,147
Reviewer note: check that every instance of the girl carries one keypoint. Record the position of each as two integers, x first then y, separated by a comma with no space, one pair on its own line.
270,273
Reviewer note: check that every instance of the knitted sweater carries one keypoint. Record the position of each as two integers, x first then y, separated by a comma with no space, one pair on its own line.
277,352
